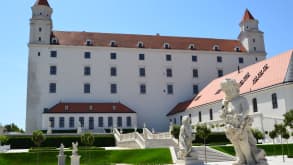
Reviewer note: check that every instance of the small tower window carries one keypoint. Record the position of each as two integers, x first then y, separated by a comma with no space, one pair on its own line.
113,43
166,46
254,48
40,29
191,46
89,42
140,44
253,40
216,48
40,39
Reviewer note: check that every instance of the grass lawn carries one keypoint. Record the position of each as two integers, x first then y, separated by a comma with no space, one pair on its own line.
92,157
270,149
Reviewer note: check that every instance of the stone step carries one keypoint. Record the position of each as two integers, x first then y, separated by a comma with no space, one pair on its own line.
212,155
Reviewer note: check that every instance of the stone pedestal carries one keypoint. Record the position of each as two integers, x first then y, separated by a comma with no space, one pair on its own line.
190,161
75,160
61,159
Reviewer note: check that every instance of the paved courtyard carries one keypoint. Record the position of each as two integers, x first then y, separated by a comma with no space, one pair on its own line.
272,160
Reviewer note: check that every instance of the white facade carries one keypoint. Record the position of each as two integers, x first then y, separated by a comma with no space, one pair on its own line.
151,107
264,119
97,124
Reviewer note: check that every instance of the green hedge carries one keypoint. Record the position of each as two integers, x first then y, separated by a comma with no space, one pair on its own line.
214,138
24,141
270,149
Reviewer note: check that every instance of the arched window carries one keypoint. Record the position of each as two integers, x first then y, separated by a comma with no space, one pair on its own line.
191,47
274,101
89,42
216,48
140,44
166,45
113,43
254,105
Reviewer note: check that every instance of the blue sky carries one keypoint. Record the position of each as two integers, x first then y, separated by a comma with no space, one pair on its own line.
195,18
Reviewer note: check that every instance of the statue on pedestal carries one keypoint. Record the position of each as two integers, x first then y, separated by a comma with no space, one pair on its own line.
49,129
235,109
74,148
79,129
61,156
185,138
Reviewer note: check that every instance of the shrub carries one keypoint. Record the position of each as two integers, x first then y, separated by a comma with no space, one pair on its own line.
175,131
38,138
3,139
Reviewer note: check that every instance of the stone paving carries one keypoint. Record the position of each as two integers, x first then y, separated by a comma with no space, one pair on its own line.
272,160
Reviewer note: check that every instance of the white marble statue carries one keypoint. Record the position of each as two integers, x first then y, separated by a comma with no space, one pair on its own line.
49,129
79,128
234,112
185,138
74,148
61,150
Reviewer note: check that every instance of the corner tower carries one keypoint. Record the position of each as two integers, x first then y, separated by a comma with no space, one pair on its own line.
41,23
250,36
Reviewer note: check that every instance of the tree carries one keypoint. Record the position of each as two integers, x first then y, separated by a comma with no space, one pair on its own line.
288,118
282,131
88,140
203,132
257,134
12,128
175,131
273,135
38,138
286,136
3,139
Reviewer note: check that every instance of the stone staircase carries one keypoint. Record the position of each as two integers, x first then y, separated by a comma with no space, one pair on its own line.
212,154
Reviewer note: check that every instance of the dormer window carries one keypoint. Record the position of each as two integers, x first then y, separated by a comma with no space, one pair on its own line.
237,49
89,42
140,44
54,41
191,46
114,108
91,107
113,43
166,46
216,48
66,107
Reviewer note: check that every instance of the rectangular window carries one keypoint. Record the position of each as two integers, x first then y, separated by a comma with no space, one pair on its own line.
52,122
113,56
61,122
87,88
87,71
254,105
119,121
101,121
174,121
91,123
240,60
110,121
190,118
142,89
168,57
199,116
219,59
113,89
170,89
53,70
211,114
87,55
113,71
194,58
195,73
53,53
195,89
142,72
274,100
220,73
128,121
169,72
52,87
141,57
180,120
81,121
71,122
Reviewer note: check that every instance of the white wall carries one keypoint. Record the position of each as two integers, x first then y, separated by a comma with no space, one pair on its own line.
151,108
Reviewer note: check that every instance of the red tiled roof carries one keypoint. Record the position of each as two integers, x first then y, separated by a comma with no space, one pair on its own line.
149,41
254,77
42,2
90,108
180,107
247,16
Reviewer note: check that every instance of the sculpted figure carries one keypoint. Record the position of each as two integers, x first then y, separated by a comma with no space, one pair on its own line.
185,138
61,151
74,148
234,112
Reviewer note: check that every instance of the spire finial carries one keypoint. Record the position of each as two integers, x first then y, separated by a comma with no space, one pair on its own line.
42,2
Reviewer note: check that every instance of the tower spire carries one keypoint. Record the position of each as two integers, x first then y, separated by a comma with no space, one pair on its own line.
247,16
42,2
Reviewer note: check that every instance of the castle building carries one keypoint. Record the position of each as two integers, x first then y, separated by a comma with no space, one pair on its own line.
109,80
